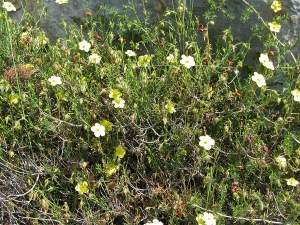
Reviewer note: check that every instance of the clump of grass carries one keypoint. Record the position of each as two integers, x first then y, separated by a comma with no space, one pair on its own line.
132,124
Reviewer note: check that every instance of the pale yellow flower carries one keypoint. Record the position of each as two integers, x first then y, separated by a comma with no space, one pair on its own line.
170,107
199,219
84,46
94,58
296,94
9,6
118,102
276,6
209,218
114,93
264,59
54,80
82,187
259,79
120,151
206,142
108,125
130,53
281,161
206,219
13,99
292,182
98,130
187,61
171,58
144,60
62,1
154,222
110,169
274,26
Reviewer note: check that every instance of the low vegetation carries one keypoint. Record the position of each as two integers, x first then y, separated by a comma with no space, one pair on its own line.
122,123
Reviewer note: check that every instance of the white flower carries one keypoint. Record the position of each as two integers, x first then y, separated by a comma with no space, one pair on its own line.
187,61
269,65
209,218
264,59
296,94
259,79
292,182
119,102
9,6
94,58
154,222
84,46
206,142
62,1
98,130
130,53
54,80
281,161
171,58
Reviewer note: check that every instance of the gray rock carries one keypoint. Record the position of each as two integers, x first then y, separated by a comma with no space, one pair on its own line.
74,13
242,31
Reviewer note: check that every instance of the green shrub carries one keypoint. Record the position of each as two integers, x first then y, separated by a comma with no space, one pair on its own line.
140,123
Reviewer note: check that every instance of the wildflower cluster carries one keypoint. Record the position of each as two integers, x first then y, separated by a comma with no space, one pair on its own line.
121,124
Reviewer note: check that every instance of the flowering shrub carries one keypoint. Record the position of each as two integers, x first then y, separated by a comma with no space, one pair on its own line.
130,122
